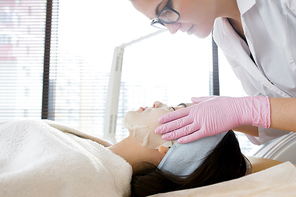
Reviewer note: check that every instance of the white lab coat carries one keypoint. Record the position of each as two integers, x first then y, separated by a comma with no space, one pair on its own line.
270,30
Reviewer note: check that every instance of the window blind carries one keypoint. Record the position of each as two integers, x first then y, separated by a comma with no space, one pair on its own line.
214,71
22,30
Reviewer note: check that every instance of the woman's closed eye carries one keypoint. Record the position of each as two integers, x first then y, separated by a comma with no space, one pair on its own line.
180,106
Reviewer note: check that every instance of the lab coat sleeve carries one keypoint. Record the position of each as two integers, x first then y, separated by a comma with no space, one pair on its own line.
266,134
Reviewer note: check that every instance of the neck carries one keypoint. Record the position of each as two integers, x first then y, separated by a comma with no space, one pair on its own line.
131,150
229,9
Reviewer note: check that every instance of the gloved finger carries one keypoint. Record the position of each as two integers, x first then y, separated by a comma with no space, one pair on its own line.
184,131
173,125
174,115
201,99
193,136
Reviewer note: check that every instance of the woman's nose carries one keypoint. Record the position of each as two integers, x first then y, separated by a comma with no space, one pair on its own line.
173,28
157,104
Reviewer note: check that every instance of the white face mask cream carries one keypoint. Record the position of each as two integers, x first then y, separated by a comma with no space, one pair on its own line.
142,124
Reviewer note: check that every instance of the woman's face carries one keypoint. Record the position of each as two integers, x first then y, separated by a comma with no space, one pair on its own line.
143,122
196,16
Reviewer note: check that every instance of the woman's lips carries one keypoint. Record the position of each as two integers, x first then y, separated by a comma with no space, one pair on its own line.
143,108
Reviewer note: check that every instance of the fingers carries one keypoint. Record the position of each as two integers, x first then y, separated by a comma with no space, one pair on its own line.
184,131
174,115
194,136
174,125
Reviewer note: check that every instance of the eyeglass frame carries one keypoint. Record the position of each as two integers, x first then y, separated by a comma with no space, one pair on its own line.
166,7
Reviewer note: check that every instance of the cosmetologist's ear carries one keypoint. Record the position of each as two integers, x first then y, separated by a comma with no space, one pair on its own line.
163,150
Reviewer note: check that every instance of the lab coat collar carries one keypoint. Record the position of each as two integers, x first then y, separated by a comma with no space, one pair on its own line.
245,5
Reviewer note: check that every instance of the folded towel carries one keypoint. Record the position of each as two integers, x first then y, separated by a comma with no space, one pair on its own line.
184,159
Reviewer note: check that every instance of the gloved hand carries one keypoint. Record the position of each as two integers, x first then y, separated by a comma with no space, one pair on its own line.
214,115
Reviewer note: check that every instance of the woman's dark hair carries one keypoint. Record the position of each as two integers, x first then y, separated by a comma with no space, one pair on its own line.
225,162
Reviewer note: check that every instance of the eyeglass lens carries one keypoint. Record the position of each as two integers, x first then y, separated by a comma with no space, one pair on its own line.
168,17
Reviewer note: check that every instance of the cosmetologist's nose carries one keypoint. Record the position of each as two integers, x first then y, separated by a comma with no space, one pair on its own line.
173,28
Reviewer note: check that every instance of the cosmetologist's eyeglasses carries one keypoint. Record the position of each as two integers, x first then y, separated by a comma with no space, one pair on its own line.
166,16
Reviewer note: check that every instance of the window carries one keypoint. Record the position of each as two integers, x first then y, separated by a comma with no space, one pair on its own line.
56,61
22,28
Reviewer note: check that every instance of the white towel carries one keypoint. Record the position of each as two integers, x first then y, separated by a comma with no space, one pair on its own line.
39,160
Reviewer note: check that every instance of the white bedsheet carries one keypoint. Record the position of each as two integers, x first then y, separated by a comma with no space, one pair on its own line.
39,160
276,181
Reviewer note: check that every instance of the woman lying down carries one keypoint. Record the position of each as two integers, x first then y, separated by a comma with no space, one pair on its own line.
37,159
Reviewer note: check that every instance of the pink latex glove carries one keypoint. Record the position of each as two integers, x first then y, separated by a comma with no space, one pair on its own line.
213,115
